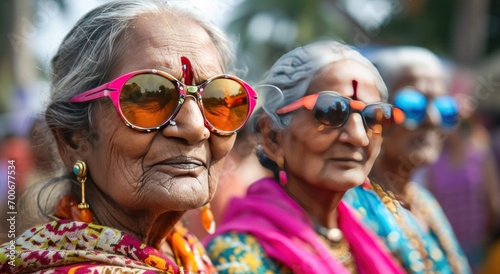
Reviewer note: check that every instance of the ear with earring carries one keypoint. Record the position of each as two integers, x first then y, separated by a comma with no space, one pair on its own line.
82,211
280,161
68,206
207,219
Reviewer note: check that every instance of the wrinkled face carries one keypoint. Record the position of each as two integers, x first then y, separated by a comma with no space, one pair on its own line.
334,159
422,145
176,168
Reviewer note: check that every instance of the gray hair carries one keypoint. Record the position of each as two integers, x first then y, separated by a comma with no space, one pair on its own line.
289,78
92,47
394,62
84,60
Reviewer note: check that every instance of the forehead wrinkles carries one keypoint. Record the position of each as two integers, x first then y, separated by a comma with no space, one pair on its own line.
429,82
203,55
172,37
349,78
192,41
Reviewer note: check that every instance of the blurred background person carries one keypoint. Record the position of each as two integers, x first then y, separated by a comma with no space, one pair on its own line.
464,179
416,82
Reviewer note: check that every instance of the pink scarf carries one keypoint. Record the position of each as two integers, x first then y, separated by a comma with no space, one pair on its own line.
286,233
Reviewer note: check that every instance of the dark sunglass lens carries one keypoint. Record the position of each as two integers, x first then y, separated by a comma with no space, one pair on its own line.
225,104
378,116
331,110
148,100
413,104
448,109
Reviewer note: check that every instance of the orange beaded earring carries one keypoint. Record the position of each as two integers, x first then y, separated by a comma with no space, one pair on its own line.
207,219
82,212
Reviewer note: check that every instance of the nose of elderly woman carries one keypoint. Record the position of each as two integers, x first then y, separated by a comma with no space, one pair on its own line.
354,131
189,123
432,120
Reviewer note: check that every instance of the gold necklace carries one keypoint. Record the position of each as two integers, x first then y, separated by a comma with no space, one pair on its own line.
393,205
337,246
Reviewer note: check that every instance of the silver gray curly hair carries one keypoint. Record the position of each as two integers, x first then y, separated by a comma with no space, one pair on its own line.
394,62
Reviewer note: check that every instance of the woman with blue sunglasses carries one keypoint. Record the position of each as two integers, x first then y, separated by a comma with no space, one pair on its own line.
464,179
400,211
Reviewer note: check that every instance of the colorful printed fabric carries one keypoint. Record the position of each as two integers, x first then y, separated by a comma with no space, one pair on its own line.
242,253
65,246
377,216
286,234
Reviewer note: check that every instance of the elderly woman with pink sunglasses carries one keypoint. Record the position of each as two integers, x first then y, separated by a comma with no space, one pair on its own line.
319,129
140,118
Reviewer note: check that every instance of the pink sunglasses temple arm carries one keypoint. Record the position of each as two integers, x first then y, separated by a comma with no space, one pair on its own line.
93,94
252,95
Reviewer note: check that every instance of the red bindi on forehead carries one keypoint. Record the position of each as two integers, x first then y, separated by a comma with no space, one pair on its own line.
354,90
187,71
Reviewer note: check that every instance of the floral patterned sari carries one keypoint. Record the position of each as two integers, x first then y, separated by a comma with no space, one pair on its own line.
66,246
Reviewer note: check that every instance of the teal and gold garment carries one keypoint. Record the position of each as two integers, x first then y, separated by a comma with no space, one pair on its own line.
241,253
418,250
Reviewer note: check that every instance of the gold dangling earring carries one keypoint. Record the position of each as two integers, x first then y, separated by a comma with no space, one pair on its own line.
82,211
282,174
207,219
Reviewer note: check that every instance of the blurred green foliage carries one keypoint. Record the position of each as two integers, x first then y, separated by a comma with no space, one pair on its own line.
9,13
425,23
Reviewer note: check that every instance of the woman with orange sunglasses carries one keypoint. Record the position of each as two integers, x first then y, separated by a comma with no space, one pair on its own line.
319,131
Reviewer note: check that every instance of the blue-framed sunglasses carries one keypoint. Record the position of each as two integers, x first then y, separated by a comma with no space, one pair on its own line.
416,105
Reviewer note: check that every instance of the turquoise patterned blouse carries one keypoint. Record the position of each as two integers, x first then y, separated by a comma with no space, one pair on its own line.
404,237
241,253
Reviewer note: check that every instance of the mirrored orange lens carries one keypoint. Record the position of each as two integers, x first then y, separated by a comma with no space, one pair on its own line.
148,100
225,104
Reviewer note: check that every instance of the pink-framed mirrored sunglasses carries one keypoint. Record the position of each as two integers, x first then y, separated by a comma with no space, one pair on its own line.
147,100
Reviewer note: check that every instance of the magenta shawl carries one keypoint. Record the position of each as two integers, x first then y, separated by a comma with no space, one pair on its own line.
286,233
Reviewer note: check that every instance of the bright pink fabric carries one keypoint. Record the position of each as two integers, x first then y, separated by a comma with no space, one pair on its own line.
287,235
